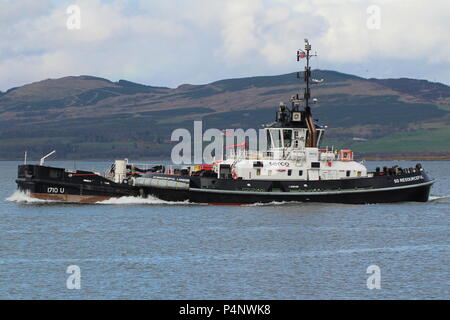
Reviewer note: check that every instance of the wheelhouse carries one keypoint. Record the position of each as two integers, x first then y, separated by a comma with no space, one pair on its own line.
282,138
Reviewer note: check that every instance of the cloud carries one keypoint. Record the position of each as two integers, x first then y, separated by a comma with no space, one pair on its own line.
177,41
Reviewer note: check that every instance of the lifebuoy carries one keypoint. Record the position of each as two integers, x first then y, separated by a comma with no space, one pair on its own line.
346,155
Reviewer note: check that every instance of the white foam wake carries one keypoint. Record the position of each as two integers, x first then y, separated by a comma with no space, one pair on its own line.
22,197
435,198
139,200
273,203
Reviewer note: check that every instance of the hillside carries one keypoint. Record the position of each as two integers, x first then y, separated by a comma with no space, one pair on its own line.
87,117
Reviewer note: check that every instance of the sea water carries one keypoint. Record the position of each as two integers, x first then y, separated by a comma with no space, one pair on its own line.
133,248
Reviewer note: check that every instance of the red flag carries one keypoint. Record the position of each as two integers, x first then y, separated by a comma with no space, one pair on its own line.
241,145
300,54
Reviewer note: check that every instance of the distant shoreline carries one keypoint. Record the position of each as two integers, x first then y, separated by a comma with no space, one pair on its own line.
407,158
365,158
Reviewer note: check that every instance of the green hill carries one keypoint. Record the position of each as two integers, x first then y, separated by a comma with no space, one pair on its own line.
87,117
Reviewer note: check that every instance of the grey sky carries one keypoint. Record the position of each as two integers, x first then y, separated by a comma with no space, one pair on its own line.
178,41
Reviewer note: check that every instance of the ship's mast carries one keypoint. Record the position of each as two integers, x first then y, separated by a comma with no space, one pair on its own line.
307,75
312,138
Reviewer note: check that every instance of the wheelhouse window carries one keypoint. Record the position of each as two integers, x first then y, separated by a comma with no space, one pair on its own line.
287,138
276,138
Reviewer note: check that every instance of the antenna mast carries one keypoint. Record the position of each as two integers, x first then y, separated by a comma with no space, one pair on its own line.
307,74
312,139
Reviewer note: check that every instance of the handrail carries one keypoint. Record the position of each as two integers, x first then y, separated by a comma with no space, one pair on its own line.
44,157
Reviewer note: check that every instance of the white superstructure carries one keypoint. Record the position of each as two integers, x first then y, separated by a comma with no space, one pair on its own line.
287,158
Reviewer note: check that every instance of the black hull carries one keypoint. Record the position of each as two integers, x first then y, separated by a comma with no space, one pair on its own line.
58,184
87,187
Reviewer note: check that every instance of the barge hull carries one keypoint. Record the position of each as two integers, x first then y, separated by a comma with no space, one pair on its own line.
71,198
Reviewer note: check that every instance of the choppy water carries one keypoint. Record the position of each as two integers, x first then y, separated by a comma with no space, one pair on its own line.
151,249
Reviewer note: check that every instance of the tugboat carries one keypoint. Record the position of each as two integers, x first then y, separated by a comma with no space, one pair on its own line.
293,169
